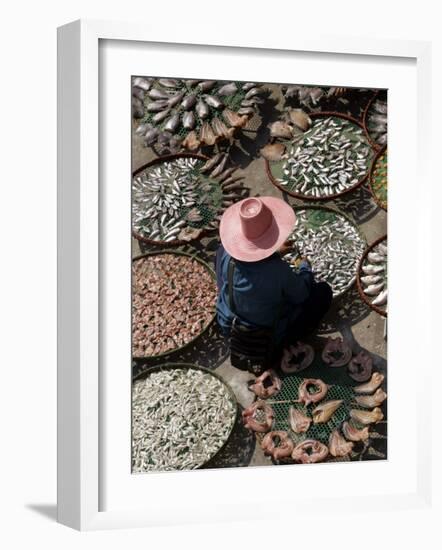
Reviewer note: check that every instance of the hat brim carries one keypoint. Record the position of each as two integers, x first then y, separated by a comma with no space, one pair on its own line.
246,250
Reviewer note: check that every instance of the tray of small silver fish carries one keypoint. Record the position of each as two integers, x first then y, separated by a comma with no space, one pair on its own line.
176,198
372,279
192,113
375,120
332,243
182,416
173,302
331,158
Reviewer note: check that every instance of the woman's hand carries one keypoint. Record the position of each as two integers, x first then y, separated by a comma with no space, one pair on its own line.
285,248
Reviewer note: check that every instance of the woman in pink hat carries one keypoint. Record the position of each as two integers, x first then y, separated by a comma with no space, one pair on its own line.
267,292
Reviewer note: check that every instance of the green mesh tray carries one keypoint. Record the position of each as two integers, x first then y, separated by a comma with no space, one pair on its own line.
321,432
341,386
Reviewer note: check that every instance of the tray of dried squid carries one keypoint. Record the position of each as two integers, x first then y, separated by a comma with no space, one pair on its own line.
375,120
177,198
332,243
192,113
319,156
315,416
182,416
372,279
379,178
173,302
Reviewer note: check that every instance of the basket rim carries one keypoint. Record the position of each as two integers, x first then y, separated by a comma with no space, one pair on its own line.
372,168
348,218
309,198
206,328
376,146
362,294
160,160
170,366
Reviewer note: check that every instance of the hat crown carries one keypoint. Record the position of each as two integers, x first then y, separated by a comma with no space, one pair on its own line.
255,218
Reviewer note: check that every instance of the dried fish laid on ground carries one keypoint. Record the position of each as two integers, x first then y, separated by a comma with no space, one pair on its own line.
330,158
332,244
193,113
310,97
174,200
181,417
376,120
373,276
379,180
173,301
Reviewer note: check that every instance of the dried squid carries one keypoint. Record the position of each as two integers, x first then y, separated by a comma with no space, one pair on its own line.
266,385
298,421
338,446
367,417
310,451
323,412
277,444
312,390
258,417
297,357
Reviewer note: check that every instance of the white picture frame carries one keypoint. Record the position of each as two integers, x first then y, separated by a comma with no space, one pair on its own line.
81,393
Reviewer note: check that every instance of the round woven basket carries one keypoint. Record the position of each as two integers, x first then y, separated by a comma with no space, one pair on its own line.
170,366
362,294
211,273
344,215
309,198
161,160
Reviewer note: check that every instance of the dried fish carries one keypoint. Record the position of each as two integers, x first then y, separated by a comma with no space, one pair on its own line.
353,434
376,380
189,120
213,101
266,385
202,109
258,417
338,446
300,119
367,417
312,390
323,412
233,119
297,357
228,89
277,444
298,421
206,134
273,151
360,367
310,451
281,129
370,401
191,141
336,352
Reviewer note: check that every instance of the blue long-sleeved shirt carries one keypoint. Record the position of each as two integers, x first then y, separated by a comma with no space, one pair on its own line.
259,289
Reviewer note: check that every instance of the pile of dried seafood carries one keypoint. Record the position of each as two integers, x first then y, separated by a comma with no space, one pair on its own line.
175,199
191,113
331,243
330,158
180,418
324,420
310,97
173,301
373,279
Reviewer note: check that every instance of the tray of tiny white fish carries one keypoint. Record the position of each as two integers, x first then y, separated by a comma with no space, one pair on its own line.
379,178
375,121
192,113
173,302
182,415
175,199
328,160
372,276
331,242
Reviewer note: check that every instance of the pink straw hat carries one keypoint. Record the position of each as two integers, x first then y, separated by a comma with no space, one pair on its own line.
254,228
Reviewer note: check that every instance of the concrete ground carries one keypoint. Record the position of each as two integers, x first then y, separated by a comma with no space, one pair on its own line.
349,316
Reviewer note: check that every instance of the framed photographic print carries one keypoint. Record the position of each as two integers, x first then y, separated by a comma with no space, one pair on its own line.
225,225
